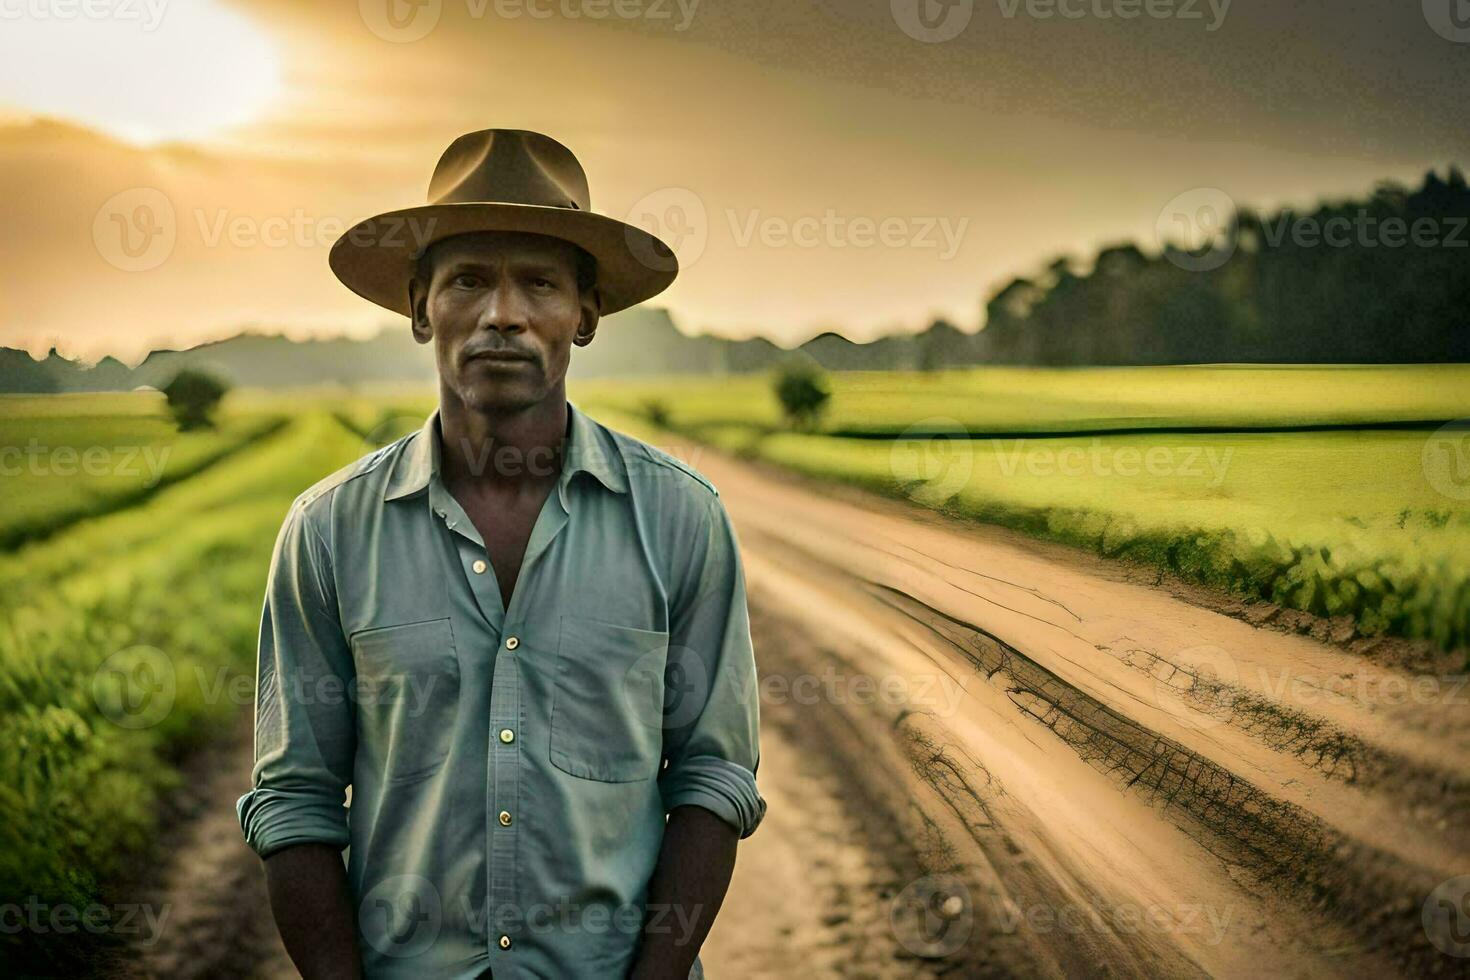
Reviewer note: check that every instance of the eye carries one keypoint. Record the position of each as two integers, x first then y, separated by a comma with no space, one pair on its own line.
465,280
541,282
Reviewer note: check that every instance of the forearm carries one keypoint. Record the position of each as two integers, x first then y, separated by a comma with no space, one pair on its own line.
312,906
684,895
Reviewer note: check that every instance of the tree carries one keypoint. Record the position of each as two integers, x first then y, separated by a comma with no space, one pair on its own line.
192,398
802,390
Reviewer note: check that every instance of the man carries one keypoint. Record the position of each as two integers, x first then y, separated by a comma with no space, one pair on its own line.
518,637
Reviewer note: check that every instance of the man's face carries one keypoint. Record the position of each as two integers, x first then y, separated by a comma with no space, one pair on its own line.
502,310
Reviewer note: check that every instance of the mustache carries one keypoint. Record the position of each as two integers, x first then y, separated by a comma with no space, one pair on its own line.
496,350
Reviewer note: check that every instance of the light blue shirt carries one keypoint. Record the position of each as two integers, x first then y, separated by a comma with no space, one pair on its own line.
510,769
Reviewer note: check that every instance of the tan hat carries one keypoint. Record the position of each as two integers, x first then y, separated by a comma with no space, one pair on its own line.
503,180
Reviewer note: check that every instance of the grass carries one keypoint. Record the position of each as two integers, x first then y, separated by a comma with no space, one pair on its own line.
982,401
1342,522
162,599
90,455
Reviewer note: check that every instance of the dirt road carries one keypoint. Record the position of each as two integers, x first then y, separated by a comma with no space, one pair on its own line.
1104,777
986,756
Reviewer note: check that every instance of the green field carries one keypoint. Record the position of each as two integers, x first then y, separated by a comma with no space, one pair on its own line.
981,401
115,582
1271,483
161,596
82,456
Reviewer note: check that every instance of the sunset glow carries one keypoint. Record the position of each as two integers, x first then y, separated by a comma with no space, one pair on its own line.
151,72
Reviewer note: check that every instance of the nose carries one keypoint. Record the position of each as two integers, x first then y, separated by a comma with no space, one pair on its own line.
503,309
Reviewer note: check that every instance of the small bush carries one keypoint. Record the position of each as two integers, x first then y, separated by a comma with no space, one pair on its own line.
803,391
193,397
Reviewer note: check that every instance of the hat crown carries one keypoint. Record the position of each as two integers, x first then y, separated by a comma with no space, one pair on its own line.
509,166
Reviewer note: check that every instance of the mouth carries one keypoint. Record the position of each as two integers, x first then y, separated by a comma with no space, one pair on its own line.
498,356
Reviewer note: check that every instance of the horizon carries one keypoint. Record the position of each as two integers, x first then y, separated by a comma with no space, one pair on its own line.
1083,264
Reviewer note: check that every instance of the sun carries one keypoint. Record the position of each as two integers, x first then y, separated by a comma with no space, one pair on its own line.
145,71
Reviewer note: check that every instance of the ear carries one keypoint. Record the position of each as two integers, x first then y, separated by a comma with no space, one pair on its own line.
591,316
418,305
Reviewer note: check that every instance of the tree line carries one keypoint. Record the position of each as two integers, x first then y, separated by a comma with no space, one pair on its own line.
1381,279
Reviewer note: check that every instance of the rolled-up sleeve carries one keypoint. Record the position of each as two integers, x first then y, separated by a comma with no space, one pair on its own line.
304,725
712,711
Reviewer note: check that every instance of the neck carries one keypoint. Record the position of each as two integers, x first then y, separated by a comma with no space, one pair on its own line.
500,449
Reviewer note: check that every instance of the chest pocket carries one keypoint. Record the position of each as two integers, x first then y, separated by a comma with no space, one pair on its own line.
407,698
607,705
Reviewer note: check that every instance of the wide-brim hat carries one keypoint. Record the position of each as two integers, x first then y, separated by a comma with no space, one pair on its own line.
503,180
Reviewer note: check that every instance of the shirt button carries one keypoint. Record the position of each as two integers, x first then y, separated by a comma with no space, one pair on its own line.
479,567
512,642
507,736
505,818
505,942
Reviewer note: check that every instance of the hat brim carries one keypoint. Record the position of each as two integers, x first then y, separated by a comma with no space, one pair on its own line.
375,257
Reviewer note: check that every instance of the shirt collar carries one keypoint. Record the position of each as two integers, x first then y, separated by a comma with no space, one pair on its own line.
586,449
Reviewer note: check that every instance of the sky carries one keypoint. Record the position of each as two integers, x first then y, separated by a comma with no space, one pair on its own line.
175,171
